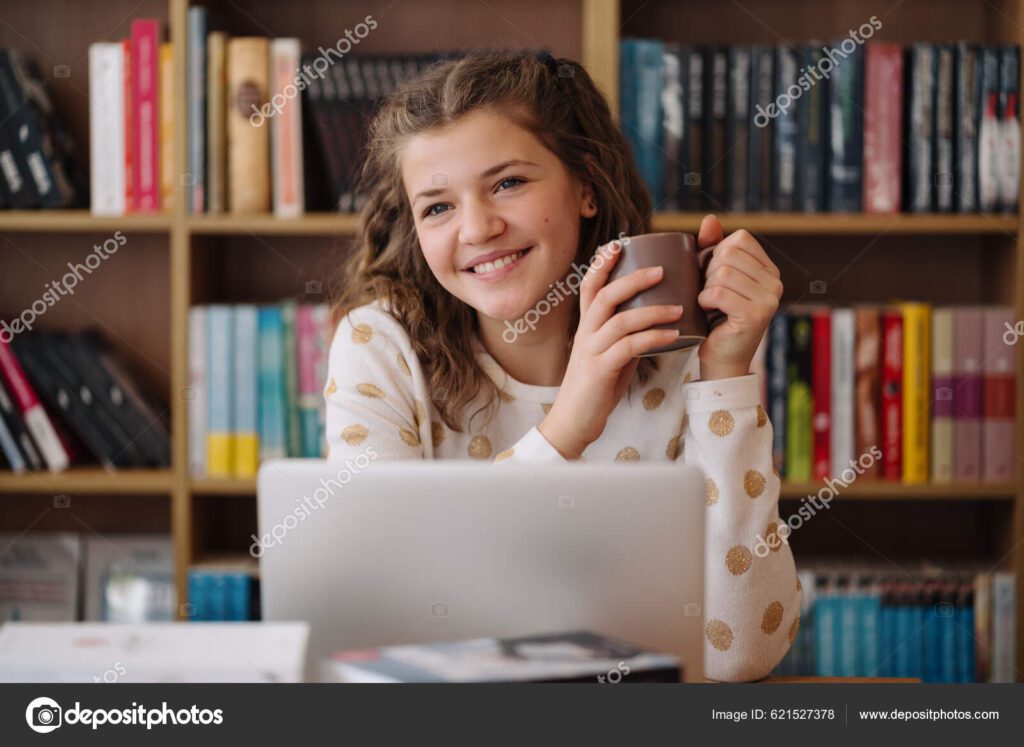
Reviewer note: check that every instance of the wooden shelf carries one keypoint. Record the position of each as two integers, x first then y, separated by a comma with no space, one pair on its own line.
81,221
223,486
311,224
89,480
846,224
882,490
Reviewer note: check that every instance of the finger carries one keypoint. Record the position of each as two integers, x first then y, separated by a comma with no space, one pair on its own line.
710,232
597,273
733,279
620,290
745,241
734,305
740,261
638,343
632,320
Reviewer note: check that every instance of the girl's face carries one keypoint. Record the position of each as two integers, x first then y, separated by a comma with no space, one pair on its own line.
485,190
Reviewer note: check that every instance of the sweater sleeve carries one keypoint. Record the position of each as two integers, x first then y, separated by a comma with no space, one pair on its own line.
752,594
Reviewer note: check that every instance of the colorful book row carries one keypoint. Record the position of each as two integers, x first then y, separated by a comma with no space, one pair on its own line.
218,593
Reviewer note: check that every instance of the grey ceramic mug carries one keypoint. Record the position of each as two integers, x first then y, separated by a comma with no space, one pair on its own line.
680,284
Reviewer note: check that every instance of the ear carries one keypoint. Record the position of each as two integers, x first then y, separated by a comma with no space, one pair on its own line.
588,203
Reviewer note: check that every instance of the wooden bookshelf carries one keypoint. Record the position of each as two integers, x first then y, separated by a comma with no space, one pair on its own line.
141,302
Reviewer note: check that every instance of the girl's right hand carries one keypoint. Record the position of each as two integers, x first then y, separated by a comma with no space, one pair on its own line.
604,352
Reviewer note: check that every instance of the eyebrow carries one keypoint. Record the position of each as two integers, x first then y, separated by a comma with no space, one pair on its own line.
483,175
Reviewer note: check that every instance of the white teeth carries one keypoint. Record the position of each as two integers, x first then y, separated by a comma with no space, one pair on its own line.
498,263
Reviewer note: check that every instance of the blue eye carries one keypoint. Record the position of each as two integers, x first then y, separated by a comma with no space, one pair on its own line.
429,212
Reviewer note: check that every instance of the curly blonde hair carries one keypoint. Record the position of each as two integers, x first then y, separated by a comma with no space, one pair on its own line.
553,99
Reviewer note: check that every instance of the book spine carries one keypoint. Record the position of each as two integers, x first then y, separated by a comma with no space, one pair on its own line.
715,104
799,405
286,131
672,132
942,167
248,144
693,189
846,133
197,406
821,390
246,372
9,448
867,428
942,396
216,122
916,391
967,393
892,394
922,71
883,127
197,109
983,627
130,202
220,358
650,80
309,392
35,418
737,144
166,103
843,373
759,171
787,126
1009,128
824,636
777,387
965,136
810,186
18,182
13,422
1003,633
145,80
106,128
293,429
999,408
271,384
989,117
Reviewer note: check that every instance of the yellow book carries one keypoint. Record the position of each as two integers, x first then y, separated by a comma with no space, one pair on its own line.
166,127
220,454
247,454
916,390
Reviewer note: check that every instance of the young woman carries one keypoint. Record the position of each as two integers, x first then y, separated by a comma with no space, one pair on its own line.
492,180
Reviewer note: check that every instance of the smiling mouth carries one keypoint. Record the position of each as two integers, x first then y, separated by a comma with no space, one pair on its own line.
486,267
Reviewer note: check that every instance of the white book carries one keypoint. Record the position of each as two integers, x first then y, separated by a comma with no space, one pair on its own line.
843,393
106,128
129,578
154,652
39,575
1003,629
197,391
285,109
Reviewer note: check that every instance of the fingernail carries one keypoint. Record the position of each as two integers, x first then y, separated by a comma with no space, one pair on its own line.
679,309
653,272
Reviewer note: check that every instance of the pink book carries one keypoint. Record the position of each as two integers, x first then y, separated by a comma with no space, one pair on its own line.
145,84
997,454
37,422
883,110
308,324
967,393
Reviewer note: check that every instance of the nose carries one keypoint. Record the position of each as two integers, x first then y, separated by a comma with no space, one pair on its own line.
480,223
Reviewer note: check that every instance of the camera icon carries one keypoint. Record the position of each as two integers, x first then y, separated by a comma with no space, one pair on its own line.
566,501
566,71
691,393
188,610
62,501
43,715
188,393
944,610
62,71
819,286
692,610
691,178
944,394
314,287
189,180
943,180
439,610
440,395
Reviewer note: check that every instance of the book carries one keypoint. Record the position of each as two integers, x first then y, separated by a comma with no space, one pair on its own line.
220,435
216,122
999,388
286,130
786,126
145,88
737,142
968,331
844,370
1009,128
293,426
942,166
821,391
693,188
33,415
892,394
106,132
921,77
248,144
130,202
846,133
778,353
916,390
196,44
989,150
38,578
672,131
1003,630
759,171
244,344
867,427
273,400
198,396
799,403
941,462
166,108
810,180
965,128
128,578
883,127
713,178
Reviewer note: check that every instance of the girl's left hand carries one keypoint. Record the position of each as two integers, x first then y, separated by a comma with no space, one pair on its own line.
744,284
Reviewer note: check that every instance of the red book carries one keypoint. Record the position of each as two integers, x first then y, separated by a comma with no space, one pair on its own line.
883,123
892,394
37,422
145,69
129,132
868,381
821,390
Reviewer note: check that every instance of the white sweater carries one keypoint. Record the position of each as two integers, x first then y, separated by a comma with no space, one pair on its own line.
377,396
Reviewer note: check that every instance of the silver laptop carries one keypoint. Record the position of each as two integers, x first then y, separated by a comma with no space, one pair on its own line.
389,553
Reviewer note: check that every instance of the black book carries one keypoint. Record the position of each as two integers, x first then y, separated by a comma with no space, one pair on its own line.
810,181
13,163
713,176
693,126
1009,127
15,426
846,132
965,129
761,130
942,154
672,132
737,140
989,115
921,71
787,130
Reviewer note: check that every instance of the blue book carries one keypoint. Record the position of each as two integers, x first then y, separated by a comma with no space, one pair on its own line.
887,638
246,373
199,590
847,638
825,624
870,626
650,77
846,132
787,132
239,589
965,641
272,397
196,109
778,351
918,634
220,378
947,636
903,643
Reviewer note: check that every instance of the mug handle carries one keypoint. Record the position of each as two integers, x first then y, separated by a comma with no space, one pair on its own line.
715,317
